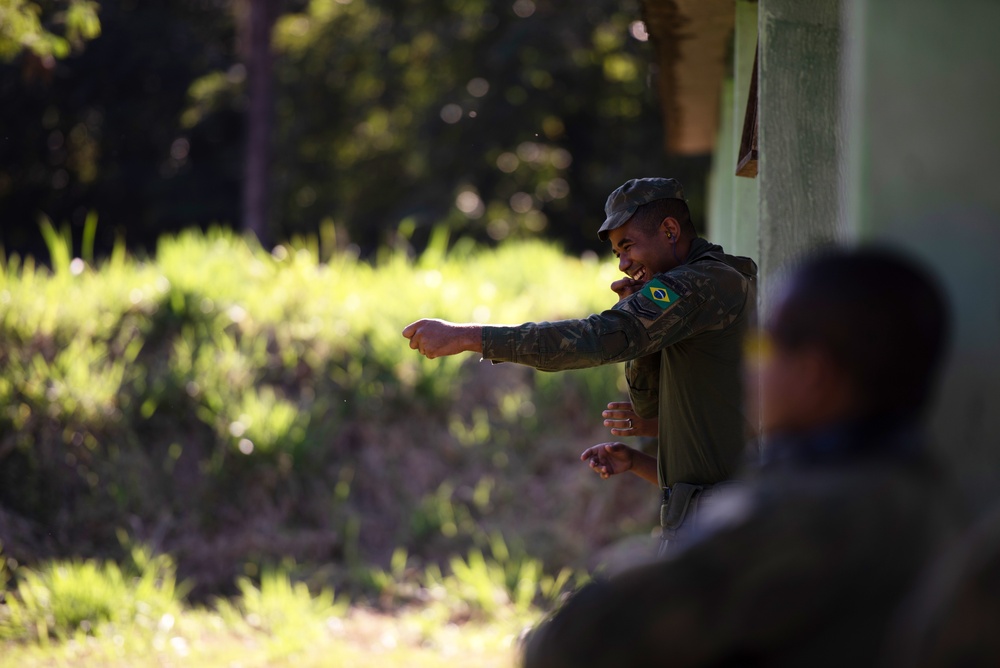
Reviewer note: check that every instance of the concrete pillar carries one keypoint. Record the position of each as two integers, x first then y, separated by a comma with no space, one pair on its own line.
801,134
922,92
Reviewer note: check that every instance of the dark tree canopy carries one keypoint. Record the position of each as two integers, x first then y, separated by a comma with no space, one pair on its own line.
497,119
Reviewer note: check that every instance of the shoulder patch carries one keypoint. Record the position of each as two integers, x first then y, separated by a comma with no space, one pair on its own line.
661,299
658,293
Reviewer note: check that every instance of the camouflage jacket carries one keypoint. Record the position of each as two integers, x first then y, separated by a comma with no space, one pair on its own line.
681,337
806,567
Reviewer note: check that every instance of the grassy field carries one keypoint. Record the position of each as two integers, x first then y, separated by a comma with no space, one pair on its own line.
357,637
89,613
349,637
241,412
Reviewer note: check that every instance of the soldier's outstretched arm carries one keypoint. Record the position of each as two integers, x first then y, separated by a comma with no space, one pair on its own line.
438,338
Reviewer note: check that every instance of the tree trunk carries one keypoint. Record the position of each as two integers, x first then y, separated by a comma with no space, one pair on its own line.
257,23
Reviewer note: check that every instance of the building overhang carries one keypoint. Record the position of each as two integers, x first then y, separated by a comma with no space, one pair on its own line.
692,40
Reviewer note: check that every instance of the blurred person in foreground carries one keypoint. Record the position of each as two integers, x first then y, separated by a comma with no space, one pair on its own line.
953,617
682,313
807,562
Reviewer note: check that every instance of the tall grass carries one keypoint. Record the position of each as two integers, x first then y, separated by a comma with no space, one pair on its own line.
241,317
92,613
217,387
286,612
236,405
61,599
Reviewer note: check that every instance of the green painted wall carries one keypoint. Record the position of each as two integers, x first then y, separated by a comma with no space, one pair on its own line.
734,201
719,219
880,120
922,91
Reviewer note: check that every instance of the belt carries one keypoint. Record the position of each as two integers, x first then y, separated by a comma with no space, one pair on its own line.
666,491
676,501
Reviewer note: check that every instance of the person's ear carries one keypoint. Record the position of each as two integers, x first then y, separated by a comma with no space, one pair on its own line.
671,228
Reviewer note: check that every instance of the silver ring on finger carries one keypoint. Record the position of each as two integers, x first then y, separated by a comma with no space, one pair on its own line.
630,423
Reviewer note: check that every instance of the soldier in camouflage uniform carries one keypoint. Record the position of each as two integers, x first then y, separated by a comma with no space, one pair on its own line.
679,325
808,561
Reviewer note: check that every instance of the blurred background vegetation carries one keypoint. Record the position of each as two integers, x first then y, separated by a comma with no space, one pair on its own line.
209,422
230,408
228,404
498,118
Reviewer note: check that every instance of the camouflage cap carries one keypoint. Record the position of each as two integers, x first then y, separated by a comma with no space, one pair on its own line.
624,201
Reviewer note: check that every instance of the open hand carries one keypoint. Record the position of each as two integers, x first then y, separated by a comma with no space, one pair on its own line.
608,459
624,421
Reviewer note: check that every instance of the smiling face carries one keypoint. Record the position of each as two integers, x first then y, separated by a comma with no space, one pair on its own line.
645,251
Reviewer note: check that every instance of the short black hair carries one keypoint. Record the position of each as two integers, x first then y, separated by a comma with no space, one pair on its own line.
649,216
879,314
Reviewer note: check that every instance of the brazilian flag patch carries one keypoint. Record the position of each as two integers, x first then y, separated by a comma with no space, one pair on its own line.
660,294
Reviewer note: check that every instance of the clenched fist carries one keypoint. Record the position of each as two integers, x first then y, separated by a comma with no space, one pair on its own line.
438,338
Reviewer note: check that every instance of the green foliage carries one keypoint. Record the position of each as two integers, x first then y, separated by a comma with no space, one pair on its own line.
278,622
218,380
486,585
63,598
482,585
286,611
22,28
496,121
394,584
438,513
417,83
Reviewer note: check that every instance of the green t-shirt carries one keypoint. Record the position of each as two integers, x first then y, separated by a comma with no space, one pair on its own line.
682,338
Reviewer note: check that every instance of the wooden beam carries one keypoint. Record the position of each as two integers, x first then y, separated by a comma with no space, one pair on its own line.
746,159
692,41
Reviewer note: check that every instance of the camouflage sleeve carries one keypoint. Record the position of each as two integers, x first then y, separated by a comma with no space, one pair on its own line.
643,378
606,338
670,308
681,303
